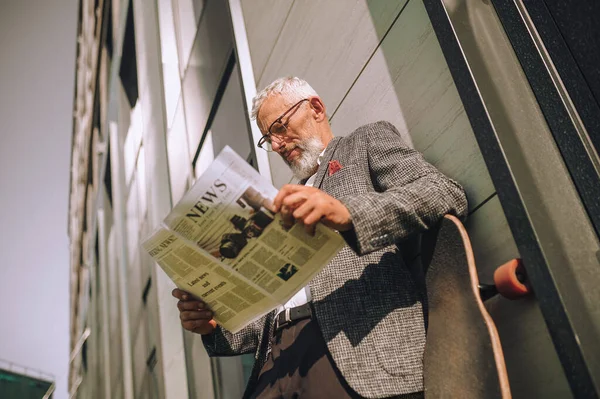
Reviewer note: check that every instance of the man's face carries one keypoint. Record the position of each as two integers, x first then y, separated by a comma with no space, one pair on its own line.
300,144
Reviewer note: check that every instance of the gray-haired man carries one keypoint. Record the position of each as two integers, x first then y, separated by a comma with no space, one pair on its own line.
358,328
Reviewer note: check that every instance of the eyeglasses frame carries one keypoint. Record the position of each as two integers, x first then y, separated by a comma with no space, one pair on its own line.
267,136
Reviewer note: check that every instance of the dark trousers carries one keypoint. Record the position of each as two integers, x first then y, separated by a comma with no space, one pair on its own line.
300,366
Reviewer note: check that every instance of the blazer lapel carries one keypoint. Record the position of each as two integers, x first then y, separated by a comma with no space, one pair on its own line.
325,161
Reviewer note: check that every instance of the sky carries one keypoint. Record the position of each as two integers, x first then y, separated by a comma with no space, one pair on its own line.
37,44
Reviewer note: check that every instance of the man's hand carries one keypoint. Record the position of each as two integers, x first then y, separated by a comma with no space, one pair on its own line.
309,205
194,314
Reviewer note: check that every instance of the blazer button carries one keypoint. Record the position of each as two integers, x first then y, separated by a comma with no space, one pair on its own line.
387,240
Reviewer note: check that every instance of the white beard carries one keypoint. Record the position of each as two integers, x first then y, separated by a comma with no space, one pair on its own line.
307,162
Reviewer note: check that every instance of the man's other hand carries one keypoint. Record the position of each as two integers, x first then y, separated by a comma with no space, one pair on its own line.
309,205
194,314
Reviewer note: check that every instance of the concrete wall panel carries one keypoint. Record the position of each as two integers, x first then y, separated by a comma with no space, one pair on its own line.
329,42
264,20
491,239
534,370
407,82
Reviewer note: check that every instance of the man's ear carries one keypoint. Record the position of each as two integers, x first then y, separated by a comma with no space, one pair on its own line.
318,109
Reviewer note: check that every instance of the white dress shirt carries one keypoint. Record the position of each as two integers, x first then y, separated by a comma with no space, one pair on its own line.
303,296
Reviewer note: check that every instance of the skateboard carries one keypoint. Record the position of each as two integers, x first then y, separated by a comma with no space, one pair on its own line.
463,354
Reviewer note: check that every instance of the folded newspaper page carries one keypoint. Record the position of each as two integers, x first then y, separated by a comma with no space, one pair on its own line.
222,244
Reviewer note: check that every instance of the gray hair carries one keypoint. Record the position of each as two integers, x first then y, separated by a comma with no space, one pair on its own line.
291,88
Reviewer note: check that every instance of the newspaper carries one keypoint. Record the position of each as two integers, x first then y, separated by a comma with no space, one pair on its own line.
222,244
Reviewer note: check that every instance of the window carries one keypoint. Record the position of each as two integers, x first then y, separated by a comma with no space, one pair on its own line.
128,70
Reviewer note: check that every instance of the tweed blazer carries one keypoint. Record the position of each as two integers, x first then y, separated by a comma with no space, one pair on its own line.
367,303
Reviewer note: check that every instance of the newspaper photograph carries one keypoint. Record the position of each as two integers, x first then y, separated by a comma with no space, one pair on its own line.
223,244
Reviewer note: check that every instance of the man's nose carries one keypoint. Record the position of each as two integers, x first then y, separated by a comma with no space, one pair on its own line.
278,145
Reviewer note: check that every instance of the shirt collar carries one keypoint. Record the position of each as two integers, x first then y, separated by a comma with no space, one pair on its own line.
321,157
311,180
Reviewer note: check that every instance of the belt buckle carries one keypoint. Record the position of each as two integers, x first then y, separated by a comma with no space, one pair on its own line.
286,319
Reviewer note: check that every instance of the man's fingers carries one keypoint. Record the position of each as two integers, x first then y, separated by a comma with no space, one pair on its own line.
269,205
284,192
295,200
180,294
279,197
310,221
295,197
198,326
303,210
191,305
286,216
326,209
188,315
308,214
194,314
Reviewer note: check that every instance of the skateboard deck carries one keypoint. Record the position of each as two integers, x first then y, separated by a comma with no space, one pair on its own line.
463,355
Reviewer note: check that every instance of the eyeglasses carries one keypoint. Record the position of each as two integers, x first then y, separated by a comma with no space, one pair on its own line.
278,128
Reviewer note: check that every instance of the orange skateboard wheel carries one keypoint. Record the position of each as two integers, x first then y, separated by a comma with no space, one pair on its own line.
510,280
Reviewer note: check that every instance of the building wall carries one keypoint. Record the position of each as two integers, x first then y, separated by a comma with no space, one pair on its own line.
204,112
162,124
369,60
380,60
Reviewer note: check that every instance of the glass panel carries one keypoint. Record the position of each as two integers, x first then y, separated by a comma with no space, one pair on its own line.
206,156
178,156
141,183
230,124
170,62
114,321
140,352
134,289
128,67
187,16
132,221
129,154
132,142
207,62
123,114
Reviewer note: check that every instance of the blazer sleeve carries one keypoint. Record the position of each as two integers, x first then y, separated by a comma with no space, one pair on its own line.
411,195
224,343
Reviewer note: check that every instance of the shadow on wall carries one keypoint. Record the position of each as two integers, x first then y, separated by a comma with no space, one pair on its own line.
407,82
376,60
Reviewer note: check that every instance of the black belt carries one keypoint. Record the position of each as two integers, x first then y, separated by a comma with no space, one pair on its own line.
292,315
